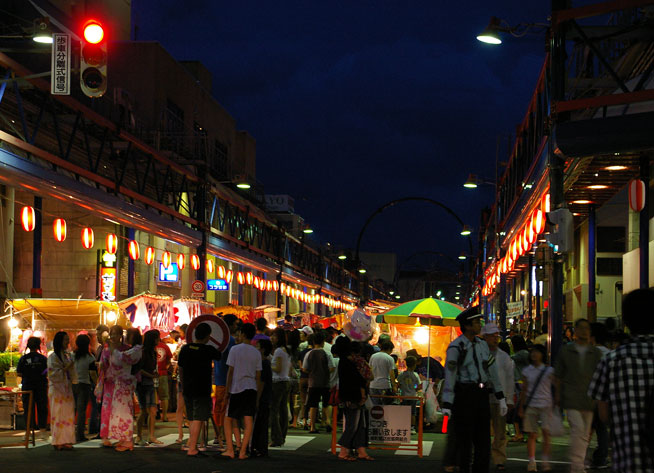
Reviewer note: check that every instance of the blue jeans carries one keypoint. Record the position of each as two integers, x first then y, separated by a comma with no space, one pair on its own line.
380,401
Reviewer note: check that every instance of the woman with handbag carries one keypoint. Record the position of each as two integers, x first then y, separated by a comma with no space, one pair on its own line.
352,397
536,403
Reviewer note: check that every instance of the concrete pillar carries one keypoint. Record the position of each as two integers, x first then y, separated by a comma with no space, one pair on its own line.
8,214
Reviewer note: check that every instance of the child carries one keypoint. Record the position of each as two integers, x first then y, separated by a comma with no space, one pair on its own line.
260,433
536,404
410,384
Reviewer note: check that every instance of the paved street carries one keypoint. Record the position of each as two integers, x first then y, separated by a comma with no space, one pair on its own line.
302,452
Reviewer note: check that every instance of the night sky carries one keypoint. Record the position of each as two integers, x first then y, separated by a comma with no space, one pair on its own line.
356,103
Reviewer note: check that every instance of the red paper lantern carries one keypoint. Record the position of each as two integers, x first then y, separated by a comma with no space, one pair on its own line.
275,286
209,266
268,285
181,261
195,262
249,278
637,193
28,218
59,229
149,255
289,291
240,277
221,272
166,258
229,275
538,221
531,234
87,238
545,203
256,282
282,288
133,249
112,243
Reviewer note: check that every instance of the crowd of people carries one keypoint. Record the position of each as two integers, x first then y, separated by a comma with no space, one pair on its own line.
267,381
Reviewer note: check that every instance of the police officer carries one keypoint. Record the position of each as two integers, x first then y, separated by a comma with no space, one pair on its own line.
470,370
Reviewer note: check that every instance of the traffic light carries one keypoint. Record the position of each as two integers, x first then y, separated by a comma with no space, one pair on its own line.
561,238
93,60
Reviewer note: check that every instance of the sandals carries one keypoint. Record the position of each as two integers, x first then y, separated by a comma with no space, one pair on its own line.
366,458
347,458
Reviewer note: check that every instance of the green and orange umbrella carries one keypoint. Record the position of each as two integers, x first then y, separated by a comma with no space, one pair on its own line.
429,311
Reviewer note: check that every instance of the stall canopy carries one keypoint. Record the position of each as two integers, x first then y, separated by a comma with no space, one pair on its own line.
66,314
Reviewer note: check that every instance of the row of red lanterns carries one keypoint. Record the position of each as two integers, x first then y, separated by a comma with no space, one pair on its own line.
519,245
88,239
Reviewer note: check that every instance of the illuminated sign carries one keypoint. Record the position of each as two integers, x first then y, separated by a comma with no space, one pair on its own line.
217,285
107,260
169,274
108,284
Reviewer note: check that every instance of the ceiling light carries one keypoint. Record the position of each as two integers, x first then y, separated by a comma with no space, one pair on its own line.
397,297
582,201
362,271
615,168
243,185
391,292
597,186
342,257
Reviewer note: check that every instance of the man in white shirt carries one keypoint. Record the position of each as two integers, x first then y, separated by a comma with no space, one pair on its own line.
491,334
243,388
383,370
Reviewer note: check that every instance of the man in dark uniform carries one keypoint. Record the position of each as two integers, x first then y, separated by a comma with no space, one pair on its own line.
469,371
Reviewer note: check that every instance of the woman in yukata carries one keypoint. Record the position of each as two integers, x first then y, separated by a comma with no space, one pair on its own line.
117,423
61,374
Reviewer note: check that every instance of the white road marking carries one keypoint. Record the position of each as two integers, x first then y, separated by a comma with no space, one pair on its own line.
293,442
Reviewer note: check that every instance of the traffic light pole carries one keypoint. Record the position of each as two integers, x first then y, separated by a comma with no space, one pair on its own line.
557,198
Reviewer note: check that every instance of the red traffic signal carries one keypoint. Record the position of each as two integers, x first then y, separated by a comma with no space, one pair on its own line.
93,59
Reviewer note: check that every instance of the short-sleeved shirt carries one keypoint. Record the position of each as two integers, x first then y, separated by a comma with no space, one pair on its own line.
82,366
285,361
33,369
300,357
316,363
408,381
220,367
382,365
164,355
543,391
245,361
195,362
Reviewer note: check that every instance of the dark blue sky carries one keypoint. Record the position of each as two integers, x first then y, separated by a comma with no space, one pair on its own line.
356,103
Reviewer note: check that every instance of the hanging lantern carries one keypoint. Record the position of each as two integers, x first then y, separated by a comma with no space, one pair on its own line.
133,249
240,277
288,291
538,219
181,261
525,240
112,243
282,288
28,218
59,229
249,278
275,286
545,203
149,255
268,285
195,262
221,272
513,250
256,282
229,275
637,195
166,258
87,238
209,266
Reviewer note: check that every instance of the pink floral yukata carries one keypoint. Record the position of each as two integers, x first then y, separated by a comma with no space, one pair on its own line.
117,423
62,403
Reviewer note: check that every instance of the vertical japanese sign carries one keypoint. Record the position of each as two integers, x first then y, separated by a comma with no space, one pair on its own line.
61,53
108,276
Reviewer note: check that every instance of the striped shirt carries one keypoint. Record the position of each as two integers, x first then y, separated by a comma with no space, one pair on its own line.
624,379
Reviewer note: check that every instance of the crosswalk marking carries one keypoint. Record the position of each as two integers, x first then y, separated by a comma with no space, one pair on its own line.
293,442
426,449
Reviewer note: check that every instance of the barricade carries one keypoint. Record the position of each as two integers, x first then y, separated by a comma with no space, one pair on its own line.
388,446
30,412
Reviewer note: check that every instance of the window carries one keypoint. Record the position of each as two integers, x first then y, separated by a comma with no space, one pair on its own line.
219,164
609,266
611,240
199,142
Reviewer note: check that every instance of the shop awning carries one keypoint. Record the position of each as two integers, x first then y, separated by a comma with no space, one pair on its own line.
65,314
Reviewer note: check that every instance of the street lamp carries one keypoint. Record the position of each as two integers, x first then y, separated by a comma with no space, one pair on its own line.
465,231
491,34
462,256
42,31
308,230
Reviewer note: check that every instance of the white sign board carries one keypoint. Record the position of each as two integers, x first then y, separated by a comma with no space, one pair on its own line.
279,203
60,70
390,424
514,309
